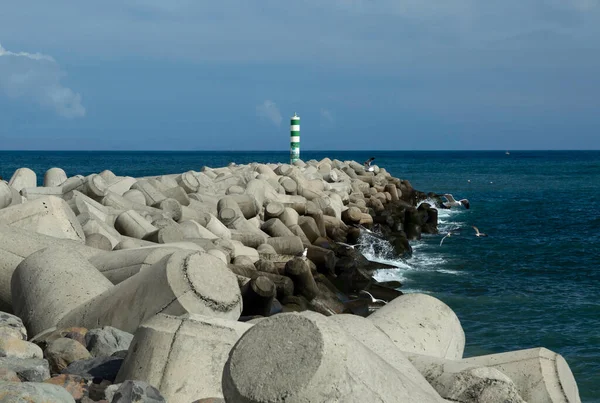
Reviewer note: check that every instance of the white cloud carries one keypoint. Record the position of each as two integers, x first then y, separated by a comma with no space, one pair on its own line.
268,110
36,77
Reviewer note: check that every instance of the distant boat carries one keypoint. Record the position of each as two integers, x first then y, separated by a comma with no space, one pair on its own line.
507,153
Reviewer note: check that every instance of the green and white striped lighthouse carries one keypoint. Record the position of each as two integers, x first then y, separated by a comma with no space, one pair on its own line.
295,139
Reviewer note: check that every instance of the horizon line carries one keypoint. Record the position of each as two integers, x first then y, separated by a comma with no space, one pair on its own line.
311,151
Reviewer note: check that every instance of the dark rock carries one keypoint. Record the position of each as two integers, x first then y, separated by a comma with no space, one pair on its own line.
30,369
136,392
99,367
107,340
97,391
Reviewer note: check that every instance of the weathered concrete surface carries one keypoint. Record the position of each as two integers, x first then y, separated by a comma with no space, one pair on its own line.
365,332
461,382
421,324
539,374
50,283
180,283
118,266
306,358
23,178
182,356
46,215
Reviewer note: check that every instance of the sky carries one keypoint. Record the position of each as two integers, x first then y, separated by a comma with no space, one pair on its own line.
361,74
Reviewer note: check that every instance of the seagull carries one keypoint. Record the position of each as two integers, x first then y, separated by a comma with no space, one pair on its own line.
368,231
452,203
367,295
449,234
349,246
477,233
368,166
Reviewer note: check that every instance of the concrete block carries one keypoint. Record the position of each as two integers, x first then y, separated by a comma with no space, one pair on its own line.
459,381
5,194
47,215
132,224
118,266
51,282
135,196
120,185
539,374
287,245
184,282
152,195
192,229
183,357
365,332
54,177
306,358
16,244
421,324
23,178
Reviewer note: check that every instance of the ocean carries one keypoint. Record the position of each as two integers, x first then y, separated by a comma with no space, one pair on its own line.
534,281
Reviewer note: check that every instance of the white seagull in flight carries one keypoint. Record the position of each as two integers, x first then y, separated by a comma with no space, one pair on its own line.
477,233
453,203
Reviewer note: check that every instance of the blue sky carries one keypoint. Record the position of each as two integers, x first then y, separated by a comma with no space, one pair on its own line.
362,74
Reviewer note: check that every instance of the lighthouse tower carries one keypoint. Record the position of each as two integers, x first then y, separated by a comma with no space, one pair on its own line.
295,139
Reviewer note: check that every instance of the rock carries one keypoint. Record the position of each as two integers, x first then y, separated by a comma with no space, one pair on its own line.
75,333
62,352
10,333
99,367
12,347
210,400
8,375
30,392
29,369
97,391
75,385
136,392
106,341
14,323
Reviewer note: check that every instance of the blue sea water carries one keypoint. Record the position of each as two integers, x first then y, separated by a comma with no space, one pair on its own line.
534,281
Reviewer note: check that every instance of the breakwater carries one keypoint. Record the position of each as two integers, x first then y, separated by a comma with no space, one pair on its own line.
260,238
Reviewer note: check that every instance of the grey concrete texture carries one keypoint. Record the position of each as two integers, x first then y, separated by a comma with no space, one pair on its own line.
118,266
184,356
23,178
16,244
180,283
54,177
421,324
369,335
46,215
539,374
50,283
306,358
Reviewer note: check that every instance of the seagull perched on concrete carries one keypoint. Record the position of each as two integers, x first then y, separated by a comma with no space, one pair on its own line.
368,166
367,295
477,233
451,202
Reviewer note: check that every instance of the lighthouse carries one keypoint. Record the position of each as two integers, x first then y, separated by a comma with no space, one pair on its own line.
294,138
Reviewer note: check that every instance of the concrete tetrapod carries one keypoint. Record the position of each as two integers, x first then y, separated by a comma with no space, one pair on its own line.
539,374
421,324
23,178
461,382
16,244
183,357
365,331
46,215
183,282
49,283
306,358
